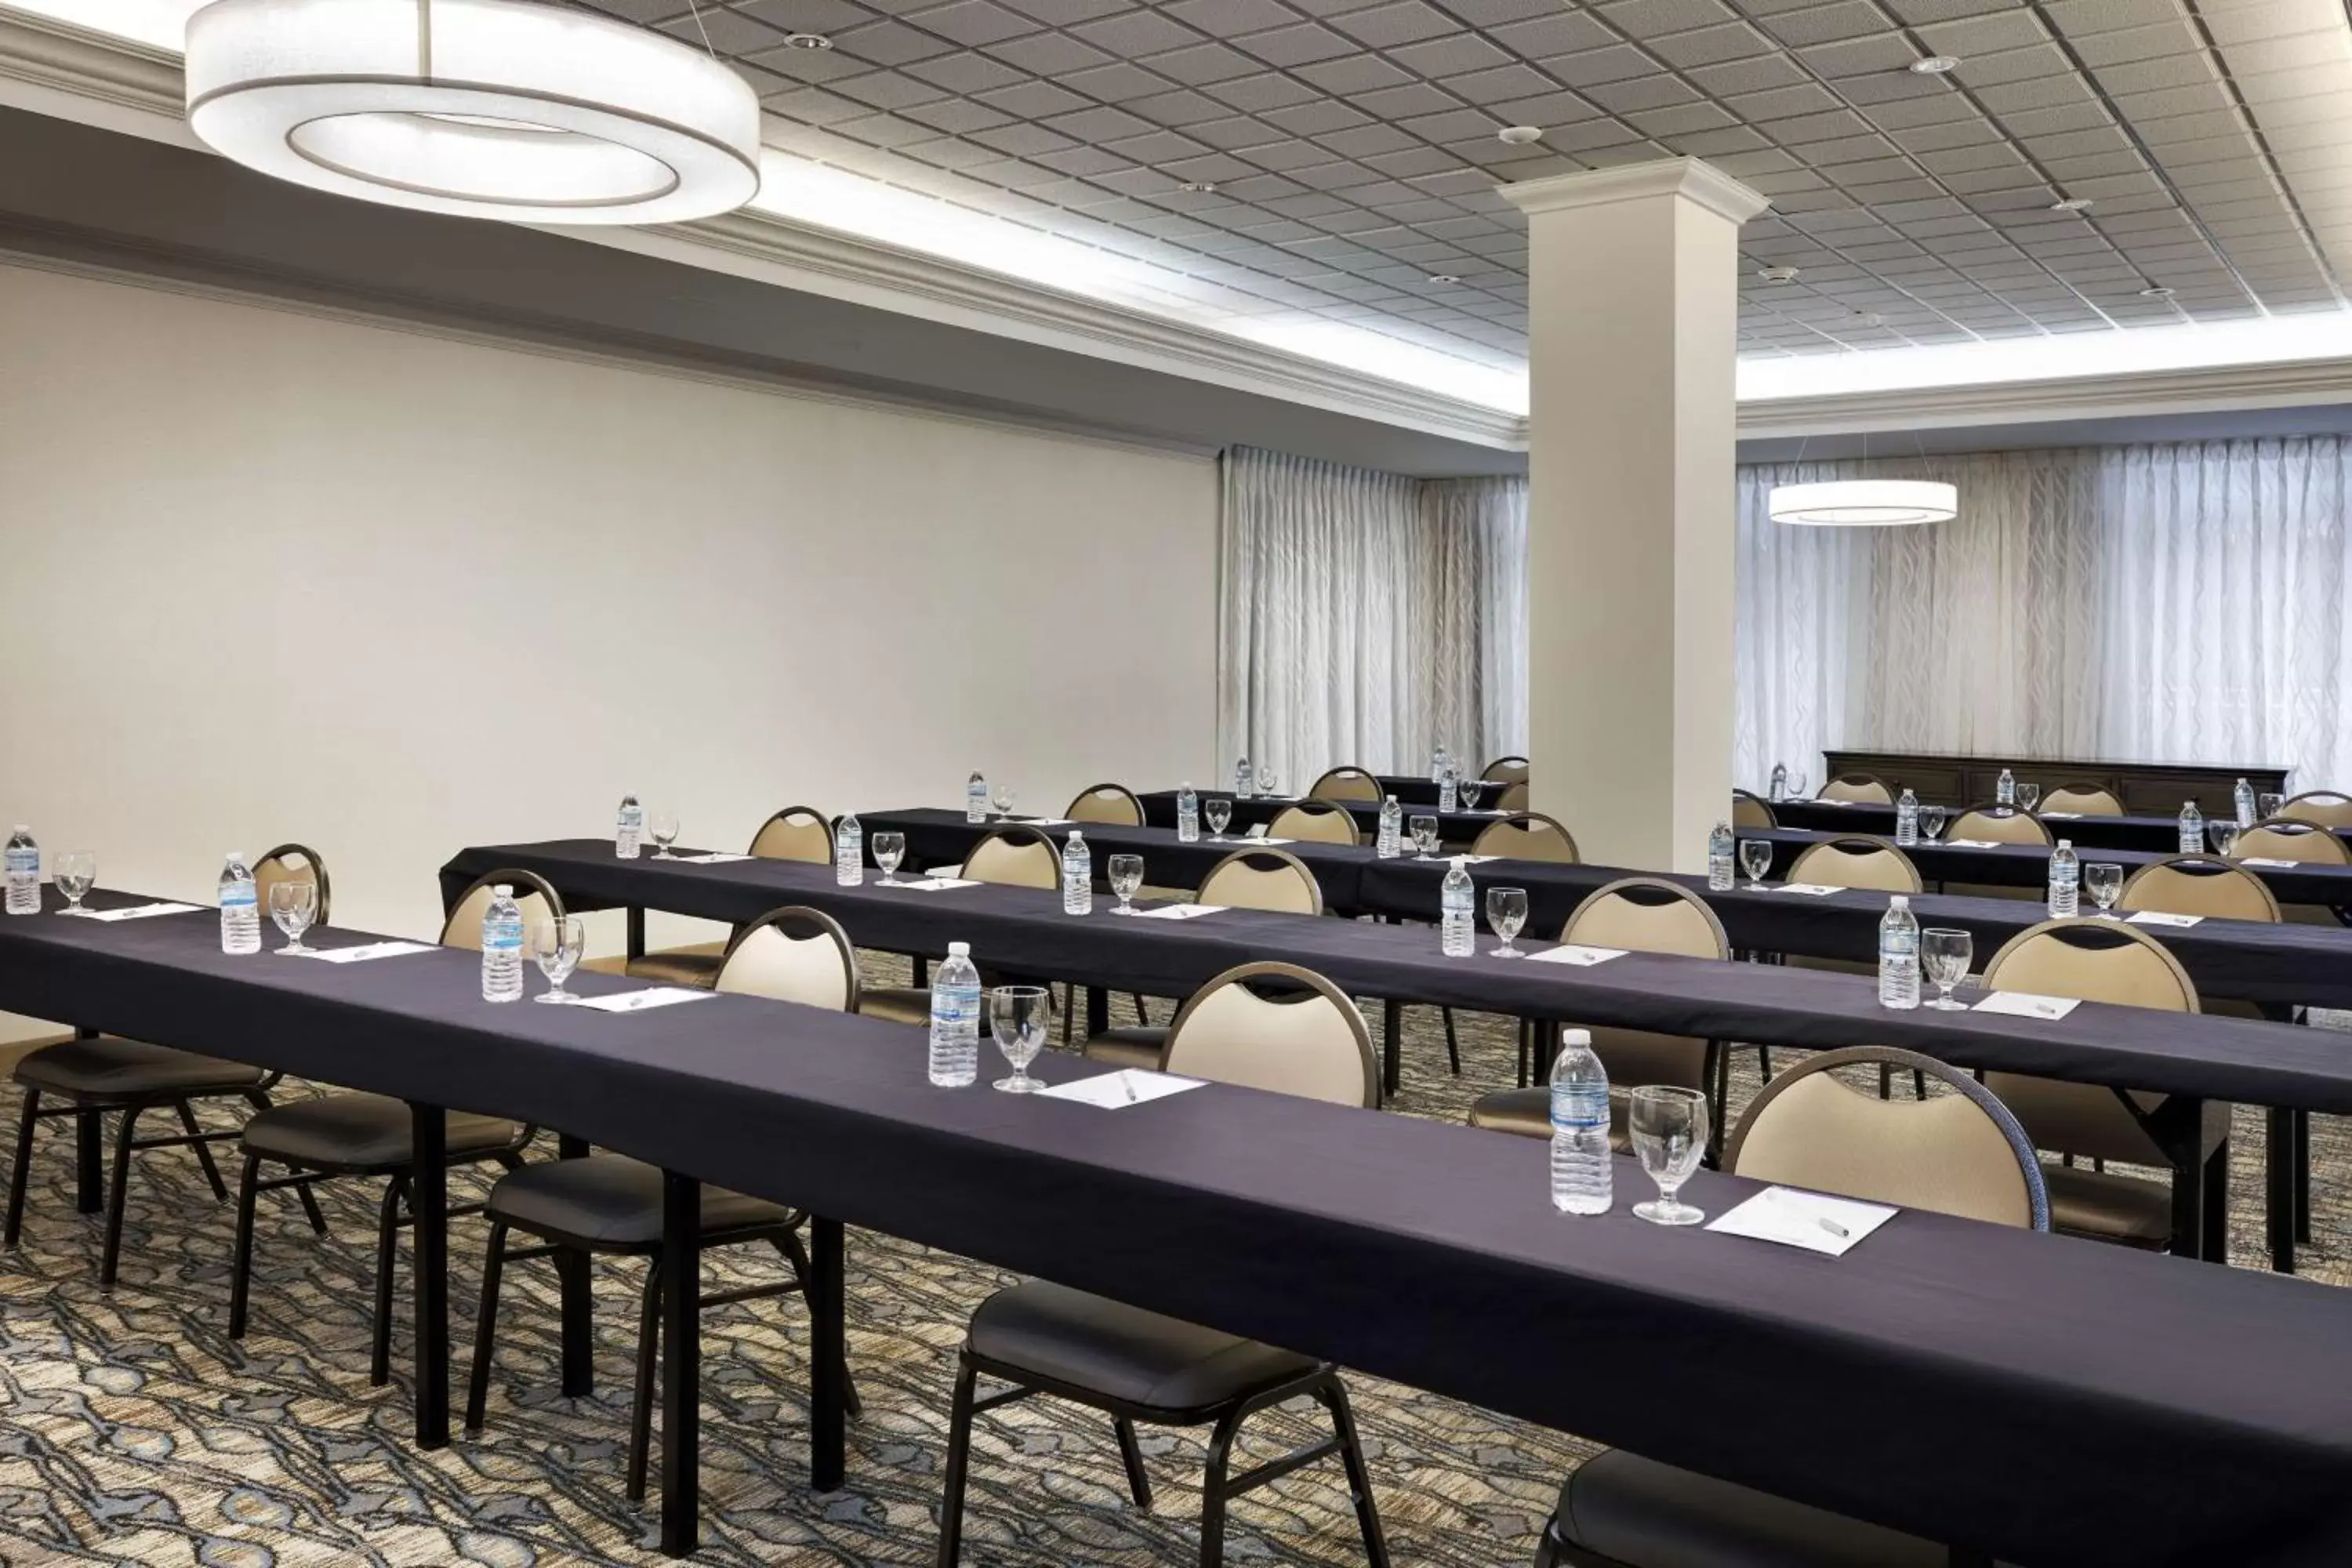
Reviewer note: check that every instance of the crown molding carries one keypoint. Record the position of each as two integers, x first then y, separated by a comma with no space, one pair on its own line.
1694,179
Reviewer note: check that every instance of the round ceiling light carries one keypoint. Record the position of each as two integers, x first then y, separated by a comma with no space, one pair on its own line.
1935,65
494,109
1865,503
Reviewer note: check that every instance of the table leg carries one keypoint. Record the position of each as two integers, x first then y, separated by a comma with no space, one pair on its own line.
1391,1045
636,932
828,1358
89,1162
2188,1157
2278,1186
428,1206
1098,1010
2216,1245
681,1340
573,1284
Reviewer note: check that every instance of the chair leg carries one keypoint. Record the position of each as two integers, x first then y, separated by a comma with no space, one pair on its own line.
477,1386
1334,1397
789,1244
1212,1490
2303,1176
388,1252
1764,1060
959,1460
114,1198
1131,1453
1918,1084
20,1167
202,1151
240,1266
310,1209
1452,1046
641,1406
1140,1015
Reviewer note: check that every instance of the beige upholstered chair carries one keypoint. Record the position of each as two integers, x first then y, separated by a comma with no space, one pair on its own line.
2284,838
2195,884
1347,783
2098,960
2323,806
2083,800
1856,860
1112,804
537,900
800,833
1529,835
1134,1366
1999,824
291,863
1507,771
1014,857
1513,798
1640,914
1866,788
1960,1153
1314,822
792,955
1749,810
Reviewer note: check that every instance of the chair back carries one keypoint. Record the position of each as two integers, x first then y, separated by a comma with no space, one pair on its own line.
1867,788
1014,857
2323,806
1302,1037
2198,884
1527,835
533,895
1112,804
1749,810
1347,783
2284,838
1314,822
1856,860
1646,914
1999,824
1505,771
1959,1153
2083,800
291,863
796,833
1263,879
1513,797
792,955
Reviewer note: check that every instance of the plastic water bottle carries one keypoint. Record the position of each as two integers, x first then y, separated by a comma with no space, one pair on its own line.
1242,776
1188,815
2004,791
1719,849
2243,798
975,798
1390,842
23,871
1906,818
1439,760
1580,1162
1457,929
2066,881
1449,789
1078,877
1898,955
501,947
630,830
1779,785
849,853
240,907
2192,828
955,1019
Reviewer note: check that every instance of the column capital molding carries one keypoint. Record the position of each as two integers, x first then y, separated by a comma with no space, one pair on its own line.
1692,178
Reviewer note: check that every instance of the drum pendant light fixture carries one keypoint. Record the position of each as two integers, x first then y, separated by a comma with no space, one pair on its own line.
1866,503
498,109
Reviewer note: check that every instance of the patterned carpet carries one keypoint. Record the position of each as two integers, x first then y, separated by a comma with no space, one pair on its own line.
135,1432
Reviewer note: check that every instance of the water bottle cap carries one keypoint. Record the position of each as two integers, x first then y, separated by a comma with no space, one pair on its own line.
1576,1036
2065,844
503,891
959,950
1900,902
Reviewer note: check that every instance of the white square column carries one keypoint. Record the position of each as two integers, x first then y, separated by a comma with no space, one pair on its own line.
1632,313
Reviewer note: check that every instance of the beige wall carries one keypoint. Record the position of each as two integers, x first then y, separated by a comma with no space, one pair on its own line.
271,575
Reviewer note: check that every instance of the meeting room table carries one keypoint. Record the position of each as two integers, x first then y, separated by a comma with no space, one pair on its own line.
2155,834
1453,827
1967,1383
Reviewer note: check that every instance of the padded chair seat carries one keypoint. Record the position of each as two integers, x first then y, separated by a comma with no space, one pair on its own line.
1130,1046
111,1068
363,1132
1123,1353
696,965
612,1203
1527,1113
899,1004
2108,1206
1642,1514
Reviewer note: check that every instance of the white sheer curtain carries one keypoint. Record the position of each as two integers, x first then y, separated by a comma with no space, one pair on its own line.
2179,603
1368,617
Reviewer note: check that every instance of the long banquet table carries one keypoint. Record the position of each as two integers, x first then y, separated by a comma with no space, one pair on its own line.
2155,834
1967,1383
1456,826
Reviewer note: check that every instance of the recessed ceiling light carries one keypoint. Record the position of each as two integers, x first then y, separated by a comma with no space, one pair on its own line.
1868,318
807,41
1519,135
1779,275
1444,279
1935,65
1198,187
2156,292
2071,205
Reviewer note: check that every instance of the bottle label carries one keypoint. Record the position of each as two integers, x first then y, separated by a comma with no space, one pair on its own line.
1579,1106
23,861
238,895
499,936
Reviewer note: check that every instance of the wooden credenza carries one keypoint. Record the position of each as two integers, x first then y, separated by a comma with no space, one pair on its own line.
2153,789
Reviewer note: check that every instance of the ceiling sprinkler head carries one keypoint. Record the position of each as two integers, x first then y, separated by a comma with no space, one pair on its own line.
1518,135
1780,275
807,41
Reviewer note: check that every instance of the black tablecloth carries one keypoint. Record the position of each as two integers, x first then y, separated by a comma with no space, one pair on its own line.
1456,827
1023,931
2048,1400
2157,835
2028,864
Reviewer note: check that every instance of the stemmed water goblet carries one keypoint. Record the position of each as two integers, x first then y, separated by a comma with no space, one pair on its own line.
1020,1017
2103,880
555,946
1945,954
2224,835
294,904
2029,795
1507,911
76,870
1424,835
2267,805
1755,858
1126,877
1669,1129
663,827
889,850
1466,792
1000,797
1218,813
1266,786
1931,822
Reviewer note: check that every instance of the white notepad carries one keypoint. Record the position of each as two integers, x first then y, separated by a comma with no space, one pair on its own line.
1118,1091
1179,911
2269,865
1259,841
2060,815
2026,1005
1810,890
1794,1218
1043,821
365,951
1968,844
645,999
930,884
1576,955
2160,917
715,858
136,911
